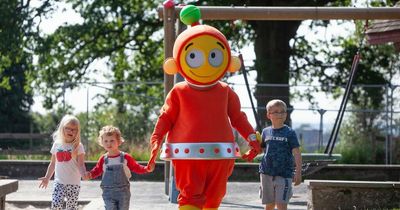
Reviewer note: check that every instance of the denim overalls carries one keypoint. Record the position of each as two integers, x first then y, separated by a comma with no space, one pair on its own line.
115,186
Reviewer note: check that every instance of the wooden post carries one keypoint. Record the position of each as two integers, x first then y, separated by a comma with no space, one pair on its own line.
169,39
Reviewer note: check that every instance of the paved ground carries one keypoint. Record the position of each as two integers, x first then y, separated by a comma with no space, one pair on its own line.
145,196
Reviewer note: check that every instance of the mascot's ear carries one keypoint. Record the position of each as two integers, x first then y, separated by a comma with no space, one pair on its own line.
235,64
170,67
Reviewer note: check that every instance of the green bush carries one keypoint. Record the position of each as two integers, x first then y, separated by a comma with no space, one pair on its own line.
358,145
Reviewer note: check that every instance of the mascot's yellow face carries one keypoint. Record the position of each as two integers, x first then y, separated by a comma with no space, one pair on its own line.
202,55
204,59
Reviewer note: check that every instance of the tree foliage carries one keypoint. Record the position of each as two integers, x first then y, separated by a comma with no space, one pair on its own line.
358,144
16,32
121,32
124,34
331,68
271,45
323,62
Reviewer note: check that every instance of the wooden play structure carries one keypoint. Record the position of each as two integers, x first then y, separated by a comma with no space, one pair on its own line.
385,31
169,12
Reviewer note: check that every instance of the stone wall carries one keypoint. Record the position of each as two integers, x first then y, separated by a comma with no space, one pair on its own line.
336,194
32,169
358,172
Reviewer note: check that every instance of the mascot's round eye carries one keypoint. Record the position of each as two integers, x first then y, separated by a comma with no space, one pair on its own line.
194,58
215,57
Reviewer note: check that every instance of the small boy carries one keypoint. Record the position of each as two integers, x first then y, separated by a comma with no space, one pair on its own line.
116,167
276,168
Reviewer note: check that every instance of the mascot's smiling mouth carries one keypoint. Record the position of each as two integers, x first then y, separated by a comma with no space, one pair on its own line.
202,76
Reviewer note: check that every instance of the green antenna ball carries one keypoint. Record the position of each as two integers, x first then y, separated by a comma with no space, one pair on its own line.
190,14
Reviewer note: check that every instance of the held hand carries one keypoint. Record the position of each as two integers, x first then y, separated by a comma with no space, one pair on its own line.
44,182
258,137
255,142
86,176
150,167
152,161
250,155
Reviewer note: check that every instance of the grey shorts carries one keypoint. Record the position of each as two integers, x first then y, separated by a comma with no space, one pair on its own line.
275,189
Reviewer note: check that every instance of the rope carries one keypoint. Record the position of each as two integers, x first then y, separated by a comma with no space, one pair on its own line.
235,42
243,69
336,127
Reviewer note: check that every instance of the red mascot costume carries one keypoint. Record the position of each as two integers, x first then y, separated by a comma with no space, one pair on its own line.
198,115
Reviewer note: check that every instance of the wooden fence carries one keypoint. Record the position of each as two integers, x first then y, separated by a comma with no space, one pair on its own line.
33,139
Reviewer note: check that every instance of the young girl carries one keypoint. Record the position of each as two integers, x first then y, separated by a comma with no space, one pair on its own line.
68,163
116,167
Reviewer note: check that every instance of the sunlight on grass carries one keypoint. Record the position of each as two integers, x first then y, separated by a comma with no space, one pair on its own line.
138,152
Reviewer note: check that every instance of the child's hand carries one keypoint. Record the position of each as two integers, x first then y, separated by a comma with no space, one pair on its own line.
255,142
152,161
150,167
297,178
250,155
44,182
86,176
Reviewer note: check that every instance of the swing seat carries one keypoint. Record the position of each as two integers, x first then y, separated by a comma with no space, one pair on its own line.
313,162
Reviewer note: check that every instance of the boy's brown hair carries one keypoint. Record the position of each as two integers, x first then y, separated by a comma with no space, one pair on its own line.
110,130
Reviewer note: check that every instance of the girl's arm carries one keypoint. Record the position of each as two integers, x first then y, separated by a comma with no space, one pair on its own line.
81,164
49,173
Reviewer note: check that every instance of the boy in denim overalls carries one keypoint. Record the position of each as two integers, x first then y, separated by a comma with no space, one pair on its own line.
116,167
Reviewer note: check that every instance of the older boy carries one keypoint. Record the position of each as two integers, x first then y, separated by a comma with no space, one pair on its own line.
276,168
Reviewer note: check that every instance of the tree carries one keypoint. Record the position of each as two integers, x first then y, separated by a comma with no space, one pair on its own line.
272,49
111,29
15,66
367,127
368,93
123,33
17,35
278,62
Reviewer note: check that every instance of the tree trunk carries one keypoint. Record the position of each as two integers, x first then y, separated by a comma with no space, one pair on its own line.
272,51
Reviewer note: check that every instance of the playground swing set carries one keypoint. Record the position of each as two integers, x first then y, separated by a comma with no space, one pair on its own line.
312,162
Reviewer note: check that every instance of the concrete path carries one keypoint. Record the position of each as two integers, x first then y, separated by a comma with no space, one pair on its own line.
145,196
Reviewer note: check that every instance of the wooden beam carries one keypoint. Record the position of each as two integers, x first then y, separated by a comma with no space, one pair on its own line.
7,186
293,13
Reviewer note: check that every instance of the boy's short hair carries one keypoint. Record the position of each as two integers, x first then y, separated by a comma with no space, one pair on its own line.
276,102
110,130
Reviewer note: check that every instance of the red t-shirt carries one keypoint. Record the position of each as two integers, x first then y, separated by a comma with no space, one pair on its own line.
130,164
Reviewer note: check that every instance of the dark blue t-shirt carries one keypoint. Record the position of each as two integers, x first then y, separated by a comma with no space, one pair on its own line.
278,156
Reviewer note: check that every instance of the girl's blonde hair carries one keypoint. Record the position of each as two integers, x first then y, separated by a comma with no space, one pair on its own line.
58,135
110,130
